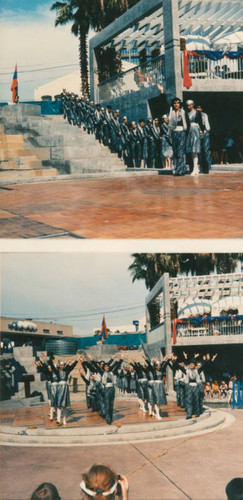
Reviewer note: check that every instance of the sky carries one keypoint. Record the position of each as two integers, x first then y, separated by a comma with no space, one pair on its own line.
29,38
71,288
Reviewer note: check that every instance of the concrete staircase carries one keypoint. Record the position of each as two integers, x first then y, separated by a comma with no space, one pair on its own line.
18,162
60,147
23,357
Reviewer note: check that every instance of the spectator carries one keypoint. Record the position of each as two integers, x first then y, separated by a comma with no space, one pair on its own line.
102,483
215,389
234,489
46,491
223,390
227,151
208,391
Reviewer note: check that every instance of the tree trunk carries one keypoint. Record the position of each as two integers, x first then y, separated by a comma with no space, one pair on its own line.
83,58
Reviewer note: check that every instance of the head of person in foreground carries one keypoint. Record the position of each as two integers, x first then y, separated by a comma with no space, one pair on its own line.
102,483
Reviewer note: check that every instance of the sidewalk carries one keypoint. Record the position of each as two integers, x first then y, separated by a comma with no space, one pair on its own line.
207,206
196,467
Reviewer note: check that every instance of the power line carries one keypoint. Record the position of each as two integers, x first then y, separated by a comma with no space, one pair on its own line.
41,69
79,316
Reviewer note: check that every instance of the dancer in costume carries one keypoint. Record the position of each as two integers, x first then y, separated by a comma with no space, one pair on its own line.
193,142
166,143
63,399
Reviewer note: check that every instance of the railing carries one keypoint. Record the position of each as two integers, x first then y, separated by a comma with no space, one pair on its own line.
224,69
141,76
210,329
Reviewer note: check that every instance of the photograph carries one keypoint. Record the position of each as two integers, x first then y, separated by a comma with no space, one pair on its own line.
121,119
121,375
121,255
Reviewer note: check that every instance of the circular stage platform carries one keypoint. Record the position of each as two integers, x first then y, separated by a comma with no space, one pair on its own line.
32,427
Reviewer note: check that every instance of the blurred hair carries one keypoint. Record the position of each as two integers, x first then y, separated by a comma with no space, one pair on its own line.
46,491
234,489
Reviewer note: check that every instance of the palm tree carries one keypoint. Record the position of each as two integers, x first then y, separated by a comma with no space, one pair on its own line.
76,11
86,14
151,266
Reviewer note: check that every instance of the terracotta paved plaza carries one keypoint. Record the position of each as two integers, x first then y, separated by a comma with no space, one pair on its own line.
125,412
134,207
195,467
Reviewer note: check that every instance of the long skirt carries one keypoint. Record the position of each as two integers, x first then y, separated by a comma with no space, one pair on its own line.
142,390
145,150
180,393
151,398
179,146
133,384
54,387
192,400
159,393
151,152
193,144
99,399
109,397
205,156
201,397
63,398
48,389
136,153
166,147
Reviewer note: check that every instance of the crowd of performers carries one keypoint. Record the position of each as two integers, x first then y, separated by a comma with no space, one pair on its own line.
179,137
146,379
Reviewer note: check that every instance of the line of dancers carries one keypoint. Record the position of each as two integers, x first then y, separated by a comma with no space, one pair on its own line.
146,379
149,143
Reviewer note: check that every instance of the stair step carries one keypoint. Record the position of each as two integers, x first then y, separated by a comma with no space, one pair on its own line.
13,175
11,141
9,154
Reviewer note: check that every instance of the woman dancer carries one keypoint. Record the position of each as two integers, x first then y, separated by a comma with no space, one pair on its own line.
166,143
142,383
178,125
63,399
193,142
158,389
53,386
156,134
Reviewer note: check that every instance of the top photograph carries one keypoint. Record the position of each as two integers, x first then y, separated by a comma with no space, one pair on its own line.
121,119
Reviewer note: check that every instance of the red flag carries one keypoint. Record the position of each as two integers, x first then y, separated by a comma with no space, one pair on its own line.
14,86
174,331
186,76
104,333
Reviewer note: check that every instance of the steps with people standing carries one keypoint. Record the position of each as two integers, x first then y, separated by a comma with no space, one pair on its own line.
61,149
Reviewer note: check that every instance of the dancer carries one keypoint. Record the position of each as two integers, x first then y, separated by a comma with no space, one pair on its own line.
193,144
205,155
144,143
158,389
142,383
166,143
156,133
63,399
179,125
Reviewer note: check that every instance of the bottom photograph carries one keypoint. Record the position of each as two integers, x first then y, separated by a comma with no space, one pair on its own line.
121,376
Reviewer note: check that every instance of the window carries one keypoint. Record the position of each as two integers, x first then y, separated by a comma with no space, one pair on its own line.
46,331
59,332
